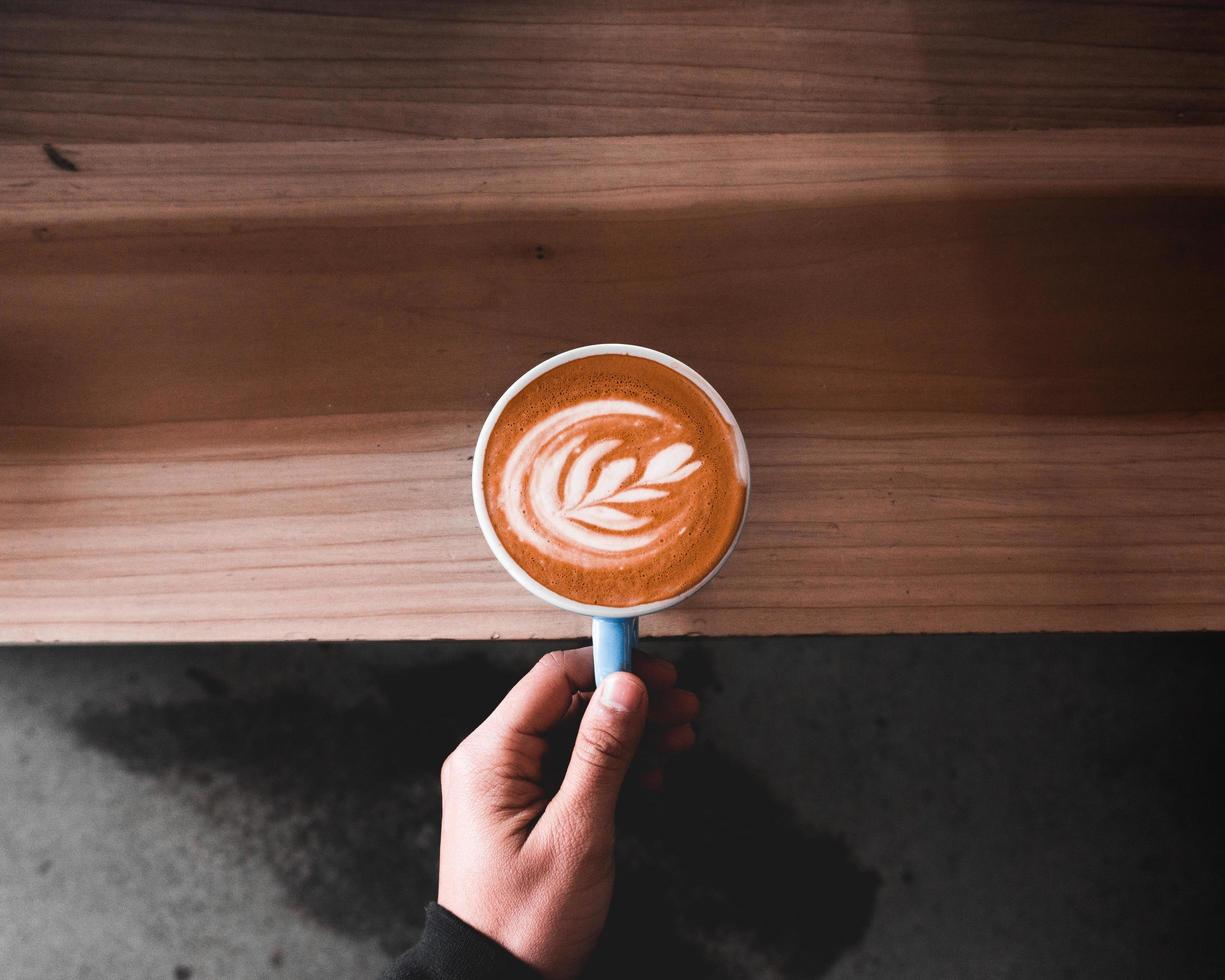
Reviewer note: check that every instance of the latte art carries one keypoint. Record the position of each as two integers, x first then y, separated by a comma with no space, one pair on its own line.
613,480
569,493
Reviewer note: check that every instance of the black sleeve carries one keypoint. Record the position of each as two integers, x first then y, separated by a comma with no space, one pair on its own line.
450,949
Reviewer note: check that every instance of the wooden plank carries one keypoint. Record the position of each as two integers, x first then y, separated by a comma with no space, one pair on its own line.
359,526
401,182
292,70
982,378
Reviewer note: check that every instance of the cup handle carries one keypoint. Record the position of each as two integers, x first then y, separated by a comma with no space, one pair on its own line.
612,640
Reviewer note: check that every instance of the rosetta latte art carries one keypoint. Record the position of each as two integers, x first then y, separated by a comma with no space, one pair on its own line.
612,480
568,493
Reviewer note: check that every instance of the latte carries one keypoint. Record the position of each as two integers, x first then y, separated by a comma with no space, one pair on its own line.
613,480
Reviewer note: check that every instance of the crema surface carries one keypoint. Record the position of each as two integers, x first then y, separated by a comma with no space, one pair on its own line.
614,480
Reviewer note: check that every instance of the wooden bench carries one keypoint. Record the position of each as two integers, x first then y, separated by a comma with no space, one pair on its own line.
242,364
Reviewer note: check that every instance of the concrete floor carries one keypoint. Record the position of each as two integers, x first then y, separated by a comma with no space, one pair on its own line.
978,807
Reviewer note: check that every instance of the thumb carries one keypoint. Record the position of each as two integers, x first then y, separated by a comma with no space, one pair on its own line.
607,739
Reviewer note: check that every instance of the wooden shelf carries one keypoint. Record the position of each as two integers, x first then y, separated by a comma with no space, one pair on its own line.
982,376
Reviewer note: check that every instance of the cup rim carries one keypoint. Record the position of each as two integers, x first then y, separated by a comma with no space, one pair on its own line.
482,513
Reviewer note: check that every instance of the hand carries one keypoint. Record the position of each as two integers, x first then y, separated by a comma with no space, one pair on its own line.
528,862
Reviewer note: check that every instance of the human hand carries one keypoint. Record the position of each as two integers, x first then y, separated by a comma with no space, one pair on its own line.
529,862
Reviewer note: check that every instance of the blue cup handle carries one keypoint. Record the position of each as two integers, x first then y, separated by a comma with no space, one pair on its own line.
612,640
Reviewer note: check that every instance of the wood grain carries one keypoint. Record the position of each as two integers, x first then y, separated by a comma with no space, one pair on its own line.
414,182
360,526
982,377
293,70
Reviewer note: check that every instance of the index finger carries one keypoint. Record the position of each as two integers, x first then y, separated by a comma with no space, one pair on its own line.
541,698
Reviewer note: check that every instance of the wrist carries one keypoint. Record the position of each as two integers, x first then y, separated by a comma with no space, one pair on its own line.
450,948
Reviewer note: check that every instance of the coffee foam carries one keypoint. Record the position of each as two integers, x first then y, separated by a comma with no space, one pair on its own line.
614,481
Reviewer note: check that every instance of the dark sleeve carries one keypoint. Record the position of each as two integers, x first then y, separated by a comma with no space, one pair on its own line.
450,949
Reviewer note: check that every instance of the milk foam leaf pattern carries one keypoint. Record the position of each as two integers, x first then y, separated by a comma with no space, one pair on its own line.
667,466
609,518
569,487
677,475
636,495
666,463
612,478
580,471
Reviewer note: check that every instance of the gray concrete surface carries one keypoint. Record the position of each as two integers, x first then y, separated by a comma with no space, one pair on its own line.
977,807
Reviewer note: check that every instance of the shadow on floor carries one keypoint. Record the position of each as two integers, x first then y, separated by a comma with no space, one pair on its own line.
340,797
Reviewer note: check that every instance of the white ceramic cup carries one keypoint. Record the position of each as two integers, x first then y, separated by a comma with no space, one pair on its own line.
614,629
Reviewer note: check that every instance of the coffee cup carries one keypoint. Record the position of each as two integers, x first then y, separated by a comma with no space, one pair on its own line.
680,468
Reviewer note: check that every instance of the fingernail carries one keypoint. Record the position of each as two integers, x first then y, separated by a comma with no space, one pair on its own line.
621,692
